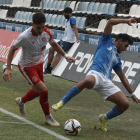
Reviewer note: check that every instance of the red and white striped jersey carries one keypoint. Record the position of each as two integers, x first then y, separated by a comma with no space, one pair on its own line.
33,46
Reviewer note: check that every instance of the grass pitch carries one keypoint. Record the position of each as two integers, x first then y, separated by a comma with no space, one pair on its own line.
85,107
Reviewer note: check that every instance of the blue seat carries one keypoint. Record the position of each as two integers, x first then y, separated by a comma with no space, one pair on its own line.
84,8
48,6
111,10
61,22
77,20
30,18
46,16
95,8
80,6
53,5
52,20
106,8
27,17
90,8
58,5
57,20
81,23
101,8
45,4
62,5
64,23
48,19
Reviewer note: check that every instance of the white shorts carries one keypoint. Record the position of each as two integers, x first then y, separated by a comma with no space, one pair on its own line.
103,85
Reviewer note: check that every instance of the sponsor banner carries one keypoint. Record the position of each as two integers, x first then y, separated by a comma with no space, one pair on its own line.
84,55
7,38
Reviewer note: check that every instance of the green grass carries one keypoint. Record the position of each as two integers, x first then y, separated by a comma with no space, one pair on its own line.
85,107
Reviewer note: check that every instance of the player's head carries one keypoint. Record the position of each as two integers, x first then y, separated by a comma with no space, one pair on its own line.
38,23
122,42
67,12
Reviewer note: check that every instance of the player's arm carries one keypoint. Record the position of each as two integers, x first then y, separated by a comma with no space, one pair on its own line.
76,32
8,73
113,21
127,85
59,49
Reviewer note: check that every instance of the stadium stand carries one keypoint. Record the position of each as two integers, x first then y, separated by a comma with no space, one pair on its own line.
91,15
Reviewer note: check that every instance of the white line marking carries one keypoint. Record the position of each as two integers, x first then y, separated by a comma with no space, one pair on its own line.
33,124
13,122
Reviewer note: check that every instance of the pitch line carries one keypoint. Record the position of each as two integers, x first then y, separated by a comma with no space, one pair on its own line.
34,124
13,122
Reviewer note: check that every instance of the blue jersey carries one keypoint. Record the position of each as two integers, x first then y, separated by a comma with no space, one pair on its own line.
106,57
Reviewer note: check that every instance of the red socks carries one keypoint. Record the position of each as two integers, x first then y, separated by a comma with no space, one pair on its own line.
44,102
30,95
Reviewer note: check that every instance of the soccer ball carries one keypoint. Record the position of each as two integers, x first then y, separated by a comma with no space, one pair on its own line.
72,127
5,66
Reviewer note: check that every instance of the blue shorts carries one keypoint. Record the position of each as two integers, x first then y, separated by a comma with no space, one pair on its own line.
65,45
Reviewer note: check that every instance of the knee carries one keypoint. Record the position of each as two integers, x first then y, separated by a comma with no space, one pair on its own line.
88,83
44,94
125,105
51,50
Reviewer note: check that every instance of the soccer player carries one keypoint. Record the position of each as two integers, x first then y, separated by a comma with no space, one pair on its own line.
33,42
99,77
70,37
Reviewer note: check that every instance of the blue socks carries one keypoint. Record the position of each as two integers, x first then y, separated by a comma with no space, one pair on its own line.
113,113
70,94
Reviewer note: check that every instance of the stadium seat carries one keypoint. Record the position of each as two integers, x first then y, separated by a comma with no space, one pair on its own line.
52,20
68,3
3,14
137,13
117,29
57,5
26,3
130,30
81,24
84,8
57,20
27,17
106,8
61,22
124,28
100,28
90,8
72,5
100,8
48,6
62,6
95,8
17,3
111,10
53,5
136,31
131,12
64,22
48,19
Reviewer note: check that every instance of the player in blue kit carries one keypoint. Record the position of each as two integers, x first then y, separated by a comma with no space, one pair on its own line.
99,77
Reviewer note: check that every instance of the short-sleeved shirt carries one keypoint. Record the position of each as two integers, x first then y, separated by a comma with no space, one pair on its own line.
33,46
106,57
69,34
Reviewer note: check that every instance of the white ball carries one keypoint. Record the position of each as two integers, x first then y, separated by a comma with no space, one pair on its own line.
5,66
72,127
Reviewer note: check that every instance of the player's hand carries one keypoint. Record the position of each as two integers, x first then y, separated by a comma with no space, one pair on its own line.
78,41
135,99
70,59
131,20
7,75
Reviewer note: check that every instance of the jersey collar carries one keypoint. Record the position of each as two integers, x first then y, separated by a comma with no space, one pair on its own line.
32,32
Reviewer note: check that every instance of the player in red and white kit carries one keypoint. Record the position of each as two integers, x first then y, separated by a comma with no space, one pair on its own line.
33,42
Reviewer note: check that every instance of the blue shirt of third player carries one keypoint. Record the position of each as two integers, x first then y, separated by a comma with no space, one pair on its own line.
106,57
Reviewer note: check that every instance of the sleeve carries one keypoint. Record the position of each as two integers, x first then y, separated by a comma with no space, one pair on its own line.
72,21
118,67
106,37
19,42
51,40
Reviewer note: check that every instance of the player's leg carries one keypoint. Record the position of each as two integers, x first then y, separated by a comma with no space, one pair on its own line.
50,59
56,60
31,94
43,99
88,82
111,92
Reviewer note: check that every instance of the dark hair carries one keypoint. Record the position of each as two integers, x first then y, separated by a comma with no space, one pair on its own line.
38,18
67,10
125,37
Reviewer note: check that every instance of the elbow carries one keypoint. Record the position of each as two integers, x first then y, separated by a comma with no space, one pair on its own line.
111,21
